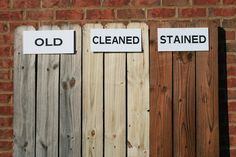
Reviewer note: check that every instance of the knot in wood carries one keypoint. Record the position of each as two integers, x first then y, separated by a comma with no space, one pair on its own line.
72,82
93,133
55,66
164,89
64,85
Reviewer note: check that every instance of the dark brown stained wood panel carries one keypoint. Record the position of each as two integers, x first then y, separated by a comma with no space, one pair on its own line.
207,97
160,98
184,104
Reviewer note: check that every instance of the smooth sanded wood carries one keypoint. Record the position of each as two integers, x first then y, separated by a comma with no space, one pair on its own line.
70,99
92,97
47,104
24,98
160,98
184,104
138,97
115,101
207,97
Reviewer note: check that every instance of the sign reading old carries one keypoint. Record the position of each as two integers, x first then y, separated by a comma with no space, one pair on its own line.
182,39
48,42
115,40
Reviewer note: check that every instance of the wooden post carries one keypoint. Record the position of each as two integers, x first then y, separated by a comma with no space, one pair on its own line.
24,98
70,99
92,97
115,101
161,98
47,104
138,97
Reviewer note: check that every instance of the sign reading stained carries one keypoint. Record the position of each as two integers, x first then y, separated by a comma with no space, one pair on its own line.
182,39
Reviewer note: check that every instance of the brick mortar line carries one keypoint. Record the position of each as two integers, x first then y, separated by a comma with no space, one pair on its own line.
123,7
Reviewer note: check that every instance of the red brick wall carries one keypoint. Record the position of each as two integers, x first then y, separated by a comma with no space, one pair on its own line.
38,12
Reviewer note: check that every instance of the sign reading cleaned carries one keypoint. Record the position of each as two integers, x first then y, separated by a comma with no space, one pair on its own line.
182,39
115,40
48,42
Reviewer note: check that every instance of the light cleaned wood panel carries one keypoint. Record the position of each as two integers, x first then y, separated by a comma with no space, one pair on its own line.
184,104
138,97
207,97
160,98
115,101
92,97
24,98
47,104
70,99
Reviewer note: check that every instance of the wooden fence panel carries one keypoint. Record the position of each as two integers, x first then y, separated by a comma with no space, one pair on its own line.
108,103
138,97
184,104
70,99
47,104
92,97
207,97
115,101
160,98
24,99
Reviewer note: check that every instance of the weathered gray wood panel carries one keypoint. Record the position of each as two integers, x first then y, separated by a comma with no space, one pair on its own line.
47,104
24,99
70,99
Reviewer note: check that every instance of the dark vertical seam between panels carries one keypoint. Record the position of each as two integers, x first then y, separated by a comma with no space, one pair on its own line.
81,105
103,106
59,104
149,88
195,53
35,120
172,102
126,105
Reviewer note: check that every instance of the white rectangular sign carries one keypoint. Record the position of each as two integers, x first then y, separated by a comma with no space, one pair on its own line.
48,42
182,39
115,40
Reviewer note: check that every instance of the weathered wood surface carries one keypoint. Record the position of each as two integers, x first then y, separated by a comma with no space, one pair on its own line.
160,98
138,97
24,98
92,97
70,99
207,97
47,104
184,104
115,101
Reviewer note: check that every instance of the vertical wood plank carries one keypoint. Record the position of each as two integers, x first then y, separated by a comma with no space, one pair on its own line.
207,97
47,104
24,99
138,97
184,104
92,97
115,101
70,99
160,98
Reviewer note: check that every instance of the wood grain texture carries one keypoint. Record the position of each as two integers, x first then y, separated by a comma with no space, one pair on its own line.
207,97
70,99
184,104
115,101
92,97
138,97
160,98
47,104
24,98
